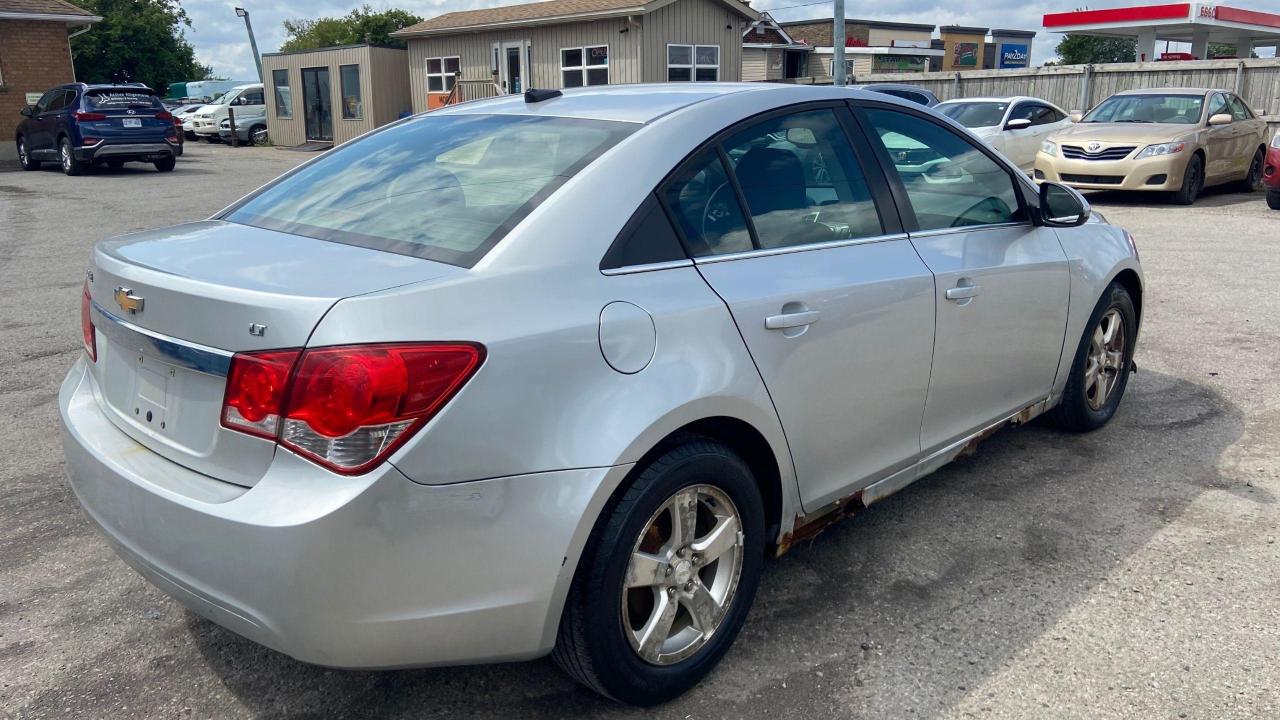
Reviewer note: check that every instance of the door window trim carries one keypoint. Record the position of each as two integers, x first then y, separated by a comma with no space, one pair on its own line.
906,210
886,208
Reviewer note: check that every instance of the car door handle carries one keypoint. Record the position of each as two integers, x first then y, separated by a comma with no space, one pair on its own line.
791,320
962,292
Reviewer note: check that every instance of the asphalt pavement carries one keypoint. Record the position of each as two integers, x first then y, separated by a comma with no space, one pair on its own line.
1131,572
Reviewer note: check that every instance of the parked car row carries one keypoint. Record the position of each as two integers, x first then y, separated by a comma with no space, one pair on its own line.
247,101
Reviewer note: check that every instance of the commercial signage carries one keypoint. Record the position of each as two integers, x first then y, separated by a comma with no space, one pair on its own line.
899,63
1013,56
964,54
33,98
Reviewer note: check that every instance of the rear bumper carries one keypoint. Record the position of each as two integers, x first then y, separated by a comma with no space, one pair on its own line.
1155,173
107,150
373,571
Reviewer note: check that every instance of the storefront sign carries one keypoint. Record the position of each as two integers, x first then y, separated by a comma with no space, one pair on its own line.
964,54
1013,56
899,63
33,98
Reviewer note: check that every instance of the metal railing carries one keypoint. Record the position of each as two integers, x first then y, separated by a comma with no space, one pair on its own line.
468,90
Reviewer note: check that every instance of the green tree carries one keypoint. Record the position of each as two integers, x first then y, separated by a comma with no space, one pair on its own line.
137,41
1088,49
362,25
1224,51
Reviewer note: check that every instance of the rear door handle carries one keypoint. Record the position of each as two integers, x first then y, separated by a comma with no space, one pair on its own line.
962,292
791,320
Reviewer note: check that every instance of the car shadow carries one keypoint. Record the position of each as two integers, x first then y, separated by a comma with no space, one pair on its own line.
1217,196
936,589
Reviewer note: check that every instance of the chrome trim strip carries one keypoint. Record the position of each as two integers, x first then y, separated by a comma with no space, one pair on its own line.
969,228
749,254
647,267
134,149
191,356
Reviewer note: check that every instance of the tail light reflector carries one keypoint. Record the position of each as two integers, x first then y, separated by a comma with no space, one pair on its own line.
346,408
87,331
89,116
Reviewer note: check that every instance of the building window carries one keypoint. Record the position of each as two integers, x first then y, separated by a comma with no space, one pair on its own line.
848,68
700,63
280,85
441,72
584,66
352,107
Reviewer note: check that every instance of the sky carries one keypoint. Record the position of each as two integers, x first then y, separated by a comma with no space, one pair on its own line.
220,39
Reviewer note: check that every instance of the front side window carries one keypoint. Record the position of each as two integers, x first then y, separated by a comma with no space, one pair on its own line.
250,97
352,107
42,105
949,182
1217,106
698,63
280,86
441,73
444,188
1239,110
584,66
801,181
1148,108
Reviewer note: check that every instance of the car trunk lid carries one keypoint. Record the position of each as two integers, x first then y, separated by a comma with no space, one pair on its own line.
172,305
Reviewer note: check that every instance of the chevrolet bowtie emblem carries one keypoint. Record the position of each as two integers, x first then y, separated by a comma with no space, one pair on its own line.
128,301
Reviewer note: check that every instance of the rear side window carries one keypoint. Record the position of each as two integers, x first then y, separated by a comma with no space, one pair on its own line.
120,100
442,187
647,238
1238,109
950,182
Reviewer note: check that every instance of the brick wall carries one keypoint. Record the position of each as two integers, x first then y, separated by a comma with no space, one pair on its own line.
33,58
818,34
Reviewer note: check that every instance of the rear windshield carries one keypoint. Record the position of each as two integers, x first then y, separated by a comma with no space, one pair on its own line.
1148,108
974,115
441,187
120,99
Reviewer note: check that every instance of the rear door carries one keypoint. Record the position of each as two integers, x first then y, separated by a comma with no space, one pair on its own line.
790,222
1002,284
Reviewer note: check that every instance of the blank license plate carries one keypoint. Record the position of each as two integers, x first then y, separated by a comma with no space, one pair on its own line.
132,122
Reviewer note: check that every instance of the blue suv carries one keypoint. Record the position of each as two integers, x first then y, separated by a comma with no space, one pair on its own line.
79,125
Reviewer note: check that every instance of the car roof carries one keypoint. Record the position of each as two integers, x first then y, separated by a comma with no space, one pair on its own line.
639,103
1011,98
1169,91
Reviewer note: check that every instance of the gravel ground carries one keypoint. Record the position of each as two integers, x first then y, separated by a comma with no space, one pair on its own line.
1127,573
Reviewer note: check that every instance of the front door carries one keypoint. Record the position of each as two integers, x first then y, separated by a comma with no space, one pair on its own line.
1002,284
317,104
833,303
512,64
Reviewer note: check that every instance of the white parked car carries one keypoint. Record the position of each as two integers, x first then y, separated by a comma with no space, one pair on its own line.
1016,126
246,99
187,115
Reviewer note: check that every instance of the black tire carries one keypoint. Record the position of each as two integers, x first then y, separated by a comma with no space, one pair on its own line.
1253,180
1192,182
67,157
253,131
1273,199
212,139
167,164
1075,413
592,645
24,156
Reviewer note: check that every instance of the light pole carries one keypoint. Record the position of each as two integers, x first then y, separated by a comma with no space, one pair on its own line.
257,59
838,41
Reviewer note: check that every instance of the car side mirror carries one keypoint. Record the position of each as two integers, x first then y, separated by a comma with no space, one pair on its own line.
1061,206
28,111
1017,124
1221,119
1075,117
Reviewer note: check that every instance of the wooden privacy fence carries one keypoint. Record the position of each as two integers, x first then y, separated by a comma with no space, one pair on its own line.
1076,88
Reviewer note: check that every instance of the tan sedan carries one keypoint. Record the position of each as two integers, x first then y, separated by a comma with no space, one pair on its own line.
1164,139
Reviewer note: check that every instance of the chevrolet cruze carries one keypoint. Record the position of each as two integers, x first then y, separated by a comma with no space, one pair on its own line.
555,373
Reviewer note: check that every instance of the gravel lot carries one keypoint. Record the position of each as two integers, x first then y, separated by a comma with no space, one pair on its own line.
1133,572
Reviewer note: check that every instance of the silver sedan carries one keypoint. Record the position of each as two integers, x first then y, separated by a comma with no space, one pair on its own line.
555,373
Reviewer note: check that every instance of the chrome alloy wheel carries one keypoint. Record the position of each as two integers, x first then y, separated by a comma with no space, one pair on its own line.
65,153
22,152
683,575
1105,361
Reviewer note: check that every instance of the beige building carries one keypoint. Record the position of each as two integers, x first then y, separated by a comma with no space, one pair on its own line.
770,54
964,48
573,43
871,46
334,94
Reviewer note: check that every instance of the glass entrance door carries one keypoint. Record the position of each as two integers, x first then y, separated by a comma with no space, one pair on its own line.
513,67
317,104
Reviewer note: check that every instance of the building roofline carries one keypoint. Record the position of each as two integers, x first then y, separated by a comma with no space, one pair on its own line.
868,23
1013,33
332,47
963,30
641,8
51,17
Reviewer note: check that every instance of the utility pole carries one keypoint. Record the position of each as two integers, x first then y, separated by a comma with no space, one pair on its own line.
838,41
257,59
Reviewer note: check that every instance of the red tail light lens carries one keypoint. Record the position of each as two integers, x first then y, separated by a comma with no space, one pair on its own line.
348,407
86,325
89,116
164,115
256,386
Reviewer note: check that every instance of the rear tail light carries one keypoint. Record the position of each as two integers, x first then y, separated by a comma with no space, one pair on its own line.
164,115
90,140
89,116
86,324
346,408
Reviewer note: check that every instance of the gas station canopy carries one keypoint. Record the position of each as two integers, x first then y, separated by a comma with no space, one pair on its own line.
1197,23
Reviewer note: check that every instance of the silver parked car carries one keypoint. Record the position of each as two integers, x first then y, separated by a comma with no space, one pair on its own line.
555,373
